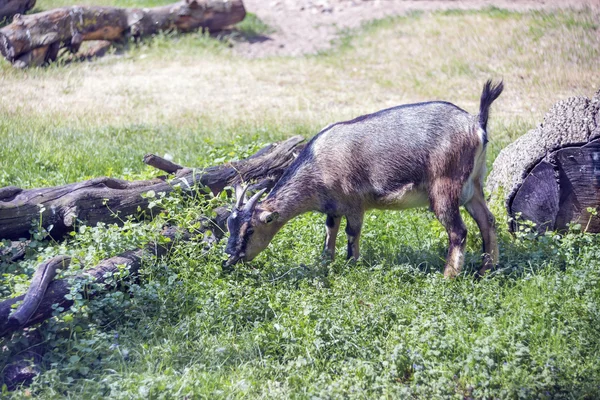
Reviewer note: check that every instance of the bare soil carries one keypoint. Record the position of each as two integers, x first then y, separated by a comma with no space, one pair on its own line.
309,26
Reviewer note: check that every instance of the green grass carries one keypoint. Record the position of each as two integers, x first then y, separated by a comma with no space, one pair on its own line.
287,325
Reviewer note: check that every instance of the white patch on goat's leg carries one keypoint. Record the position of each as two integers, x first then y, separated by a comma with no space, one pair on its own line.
454,262
482,135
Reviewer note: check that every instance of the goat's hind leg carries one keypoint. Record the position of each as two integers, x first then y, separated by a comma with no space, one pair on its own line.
478,209
332,226
445,200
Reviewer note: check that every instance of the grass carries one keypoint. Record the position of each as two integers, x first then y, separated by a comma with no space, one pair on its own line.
286,325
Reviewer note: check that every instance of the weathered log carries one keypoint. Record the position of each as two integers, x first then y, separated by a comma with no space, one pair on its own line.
55,291
57,209
551,175
35,39
8,8
42,277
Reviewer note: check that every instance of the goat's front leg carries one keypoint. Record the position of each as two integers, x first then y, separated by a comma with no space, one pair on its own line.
332,226
353,227
444,198
485,221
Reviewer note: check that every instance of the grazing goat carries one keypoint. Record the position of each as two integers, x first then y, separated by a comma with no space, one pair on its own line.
426,154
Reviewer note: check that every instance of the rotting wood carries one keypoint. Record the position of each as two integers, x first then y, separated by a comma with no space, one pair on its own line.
15,251
58,209
36,39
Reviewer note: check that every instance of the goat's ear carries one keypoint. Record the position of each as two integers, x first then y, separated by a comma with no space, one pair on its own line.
267,217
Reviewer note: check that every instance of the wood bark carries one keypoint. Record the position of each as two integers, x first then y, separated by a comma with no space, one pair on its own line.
551,175
58,209
8,8
36,39
42,277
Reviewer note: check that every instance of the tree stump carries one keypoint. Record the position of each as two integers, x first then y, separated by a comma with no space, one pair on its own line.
551,175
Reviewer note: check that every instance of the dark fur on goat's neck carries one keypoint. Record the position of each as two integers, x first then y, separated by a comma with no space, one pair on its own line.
289,196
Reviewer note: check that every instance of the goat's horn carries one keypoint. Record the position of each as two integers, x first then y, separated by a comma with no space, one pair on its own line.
240,196
253,200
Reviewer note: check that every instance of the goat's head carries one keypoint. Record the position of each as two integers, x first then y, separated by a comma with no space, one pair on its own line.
251,228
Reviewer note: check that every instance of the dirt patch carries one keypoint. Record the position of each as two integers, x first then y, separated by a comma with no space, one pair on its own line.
308,26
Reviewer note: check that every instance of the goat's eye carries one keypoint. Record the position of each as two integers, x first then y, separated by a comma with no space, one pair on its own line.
250,231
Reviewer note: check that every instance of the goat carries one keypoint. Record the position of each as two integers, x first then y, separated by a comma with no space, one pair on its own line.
425,154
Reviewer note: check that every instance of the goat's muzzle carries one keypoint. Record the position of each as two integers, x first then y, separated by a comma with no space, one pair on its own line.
232,260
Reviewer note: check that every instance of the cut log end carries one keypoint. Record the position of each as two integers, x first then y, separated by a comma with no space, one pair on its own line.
551,175
560,190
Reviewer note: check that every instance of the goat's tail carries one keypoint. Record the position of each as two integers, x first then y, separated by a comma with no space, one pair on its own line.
489,94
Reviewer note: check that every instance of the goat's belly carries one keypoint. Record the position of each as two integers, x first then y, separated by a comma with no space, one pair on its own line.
406,197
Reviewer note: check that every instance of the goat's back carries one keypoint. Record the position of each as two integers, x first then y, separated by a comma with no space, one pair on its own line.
393,147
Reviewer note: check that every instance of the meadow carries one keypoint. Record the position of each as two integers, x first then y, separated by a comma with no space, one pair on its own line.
288,325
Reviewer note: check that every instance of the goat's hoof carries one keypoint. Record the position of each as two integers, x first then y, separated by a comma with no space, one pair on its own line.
327,258
486,270
450,272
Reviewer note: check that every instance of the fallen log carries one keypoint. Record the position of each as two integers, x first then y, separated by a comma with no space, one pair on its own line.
44,274
57,209
8,8
551,175
36,39
52,293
